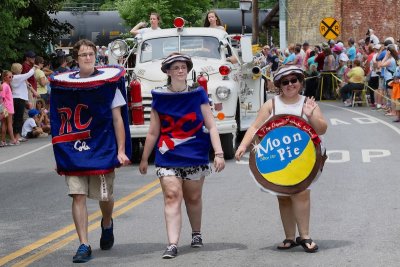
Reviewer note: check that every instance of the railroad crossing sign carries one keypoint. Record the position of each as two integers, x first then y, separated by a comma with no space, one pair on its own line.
329,28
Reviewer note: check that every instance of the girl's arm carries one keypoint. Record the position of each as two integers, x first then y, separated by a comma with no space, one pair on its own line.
151,138
219,162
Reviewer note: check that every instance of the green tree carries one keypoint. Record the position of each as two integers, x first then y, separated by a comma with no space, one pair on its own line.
11,27
193,11
26,25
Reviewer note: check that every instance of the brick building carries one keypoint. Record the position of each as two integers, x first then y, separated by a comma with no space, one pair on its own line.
303,18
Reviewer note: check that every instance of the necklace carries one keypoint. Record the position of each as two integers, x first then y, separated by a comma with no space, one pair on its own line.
180,91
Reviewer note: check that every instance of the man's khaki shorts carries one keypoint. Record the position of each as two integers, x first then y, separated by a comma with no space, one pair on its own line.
98,187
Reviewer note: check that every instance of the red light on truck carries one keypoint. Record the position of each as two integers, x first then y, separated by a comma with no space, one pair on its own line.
179,22
224,70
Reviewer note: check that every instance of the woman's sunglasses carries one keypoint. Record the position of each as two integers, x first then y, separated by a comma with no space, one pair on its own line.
292,81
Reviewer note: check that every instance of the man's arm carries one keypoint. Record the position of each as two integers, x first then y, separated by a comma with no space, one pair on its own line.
120,135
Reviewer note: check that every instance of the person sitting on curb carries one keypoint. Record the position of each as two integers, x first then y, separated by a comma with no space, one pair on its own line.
30,129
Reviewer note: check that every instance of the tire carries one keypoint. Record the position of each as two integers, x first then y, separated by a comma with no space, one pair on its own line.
227,145
239,134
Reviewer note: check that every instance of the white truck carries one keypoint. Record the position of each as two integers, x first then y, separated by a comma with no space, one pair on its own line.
236,91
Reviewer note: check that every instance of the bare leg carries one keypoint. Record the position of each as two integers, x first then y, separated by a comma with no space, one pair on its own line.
192,194
287,217
172,190
301,210
80,216
106,208
3,129
10,129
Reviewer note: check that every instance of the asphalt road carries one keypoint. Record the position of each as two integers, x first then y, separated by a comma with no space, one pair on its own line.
354,217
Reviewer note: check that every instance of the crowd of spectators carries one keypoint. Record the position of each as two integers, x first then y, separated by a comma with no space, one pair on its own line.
25,91
336,68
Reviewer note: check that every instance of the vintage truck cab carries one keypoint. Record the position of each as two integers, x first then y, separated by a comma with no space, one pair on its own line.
235,90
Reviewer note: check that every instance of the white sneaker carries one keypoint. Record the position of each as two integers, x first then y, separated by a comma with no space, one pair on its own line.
43,135
347,104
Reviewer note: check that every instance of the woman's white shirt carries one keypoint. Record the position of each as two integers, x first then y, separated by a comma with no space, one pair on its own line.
18,84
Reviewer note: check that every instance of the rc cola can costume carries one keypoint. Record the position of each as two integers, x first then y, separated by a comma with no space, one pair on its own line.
82,127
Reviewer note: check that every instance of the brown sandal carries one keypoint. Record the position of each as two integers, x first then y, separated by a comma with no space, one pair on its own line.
304,242
287,241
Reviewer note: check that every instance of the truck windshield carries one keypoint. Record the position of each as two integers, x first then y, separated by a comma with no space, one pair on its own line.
194,46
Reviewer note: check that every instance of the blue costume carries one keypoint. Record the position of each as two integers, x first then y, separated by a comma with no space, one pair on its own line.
84,141
184,140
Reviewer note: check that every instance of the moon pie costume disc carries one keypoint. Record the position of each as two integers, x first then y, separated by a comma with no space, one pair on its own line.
286,155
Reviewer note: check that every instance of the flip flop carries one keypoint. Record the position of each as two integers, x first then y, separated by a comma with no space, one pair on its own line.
287,241
304,242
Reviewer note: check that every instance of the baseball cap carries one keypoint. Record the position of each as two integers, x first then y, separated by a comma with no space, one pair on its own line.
69,59
388,41
30,54
324,44
337,48
33,112
343,57
377,46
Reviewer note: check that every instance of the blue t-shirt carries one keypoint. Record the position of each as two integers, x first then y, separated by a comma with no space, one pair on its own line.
352,53
380,57
290,58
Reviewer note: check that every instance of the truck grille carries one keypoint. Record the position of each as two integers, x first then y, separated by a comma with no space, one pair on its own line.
147,108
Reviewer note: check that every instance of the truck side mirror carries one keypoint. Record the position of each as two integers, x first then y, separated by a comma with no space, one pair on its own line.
246,49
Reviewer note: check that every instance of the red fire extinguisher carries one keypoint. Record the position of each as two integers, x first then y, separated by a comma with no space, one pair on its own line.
136,103
202,80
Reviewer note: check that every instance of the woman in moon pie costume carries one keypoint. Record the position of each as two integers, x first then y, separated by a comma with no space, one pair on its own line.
289,155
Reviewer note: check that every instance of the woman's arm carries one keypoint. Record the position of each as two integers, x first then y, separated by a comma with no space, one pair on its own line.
24,76
219,162
314,116
135,30
151,138
262,116
43,81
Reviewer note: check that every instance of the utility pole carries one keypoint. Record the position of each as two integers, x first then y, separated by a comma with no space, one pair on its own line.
256,31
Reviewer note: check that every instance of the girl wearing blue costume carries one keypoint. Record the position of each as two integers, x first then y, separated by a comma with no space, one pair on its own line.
181,129
295,208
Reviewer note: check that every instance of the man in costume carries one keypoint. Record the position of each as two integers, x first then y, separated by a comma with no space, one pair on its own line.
91,137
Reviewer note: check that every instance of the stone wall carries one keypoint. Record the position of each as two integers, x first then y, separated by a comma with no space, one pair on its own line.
354,16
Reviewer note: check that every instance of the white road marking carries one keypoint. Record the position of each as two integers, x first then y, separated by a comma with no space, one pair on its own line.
25,154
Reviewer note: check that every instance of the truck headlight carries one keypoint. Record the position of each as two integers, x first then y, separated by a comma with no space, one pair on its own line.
223,93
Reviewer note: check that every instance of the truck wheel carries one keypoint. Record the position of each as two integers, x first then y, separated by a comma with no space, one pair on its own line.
227,145
239,133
